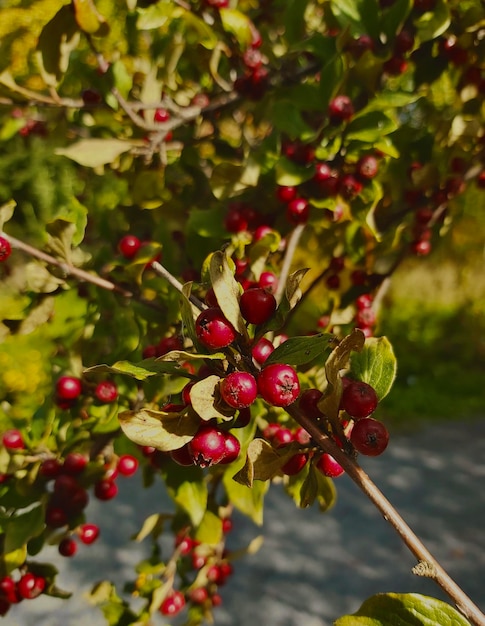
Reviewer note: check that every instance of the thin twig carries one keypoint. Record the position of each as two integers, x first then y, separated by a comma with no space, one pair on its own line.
433,569
159,269
288,260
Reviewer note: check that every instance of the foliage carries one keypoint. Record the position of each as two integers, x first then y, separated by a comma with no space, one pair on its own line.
304,147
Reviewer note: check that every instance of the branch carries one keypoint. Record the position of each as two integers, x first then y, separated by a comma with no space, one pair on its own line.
159,269
287,261
428,565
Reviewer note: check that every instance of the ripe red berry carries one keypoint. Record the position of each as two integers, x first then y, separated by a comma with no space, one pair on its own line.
12,439
369,437
367,167
199,595
422,247
208,446
173,603
30,586
359,399
74,463
88,533
106,391
233,448
55,517
268,281
349,186
295,464
340,109
261,350
129,246
404,42
257,305
105,489
182,456
67,547
161,115
278,384
50,468
5,249
286,193
213,329
239,389
127,465
68,388
308,403
333,281
329,466
298,211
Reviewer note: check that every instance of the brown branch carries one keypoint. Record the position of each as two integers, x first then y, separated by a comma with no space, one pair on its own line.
429,565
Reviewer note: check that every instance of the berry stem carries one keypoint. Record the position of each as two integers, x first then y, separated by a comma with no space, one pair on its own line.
428,565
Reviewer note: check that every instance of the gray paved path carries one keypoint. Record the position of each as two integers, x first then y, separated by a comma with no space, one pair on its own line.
313,567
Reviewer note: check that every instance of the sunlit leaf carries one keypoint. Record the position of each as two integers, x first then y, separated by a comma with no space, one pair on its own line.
58,39
95,152
375,365
162,430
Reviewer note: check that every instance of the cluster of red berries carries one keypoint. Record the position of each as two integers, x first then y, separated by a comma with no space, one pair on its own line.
29,585
70,388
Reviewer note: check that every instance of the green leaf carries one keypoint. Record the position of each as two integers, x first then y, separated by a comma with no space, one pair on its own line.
294,20
432,24
88,18
370,127
160,429
58,39
226,289
6,212
247,500
289,173
302,350
238,24
331,76
156,15
357,15
317,487
287,118
230,179
375,365
390,609
389,100
189,490
149,367
263,462
393,17
210,529
95,152
21,528
153,525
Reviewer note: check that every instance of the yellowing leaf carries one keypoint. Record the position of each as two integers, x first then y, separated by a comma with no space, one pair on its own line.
203,398
88,18
95,152
162,430
226,289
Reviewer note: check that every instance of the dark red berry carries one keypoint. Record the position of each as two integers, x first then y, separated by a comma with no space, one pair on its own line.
233,448
55,517
208,446
213,329
286,193
67,547
106,391
333,281
257,305
349,186
182,456
308,403
295,464
127,465
5,249
129,246
359,399
50,468
12,439
173,603
88,533
340,109
298,211
282,437
278,384
239,389
369,437
329,466
74,463
68,387
105,489
168,344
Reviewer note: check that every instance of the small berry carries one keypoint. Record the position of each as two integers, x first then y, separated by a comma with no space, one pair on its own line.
421,247
367,167
50,468
199,595
298,211
68,388
329,466
268,281
30,586
261,350
257,305
350,186
369,437
168,344
282,437
340,109
208,446
5,249
129,246
308,403
213,329
74,463
227,525
333,281
67,547
173,603
12,439
359,399
161,115
127,465
105,489
55,517
295,464
286,193
106,391
88,533
278,384
182,456
239,389
233,448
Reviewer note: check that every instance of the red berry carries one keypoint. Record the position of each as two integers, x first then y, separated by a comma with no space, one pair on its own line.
173,603
50,468
421,247
67,547
127,465
308,403
105,489
286,193
5,249
278,384
106,391
55,517
12,439
282,437
367,167
364,301
149,352
129,246
340,109
182,456
333,281
68,387
227,525
168,344
261,350
404,42
161,115
233,448
208,446
30,586
350,186
257,305
358,277
91,96
213,329
365,318
243,418
359,399
252,58
74,463
199,595
369,436
88,533
295,464
329,466
8,588
268,281
239,389
298,211
302,436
